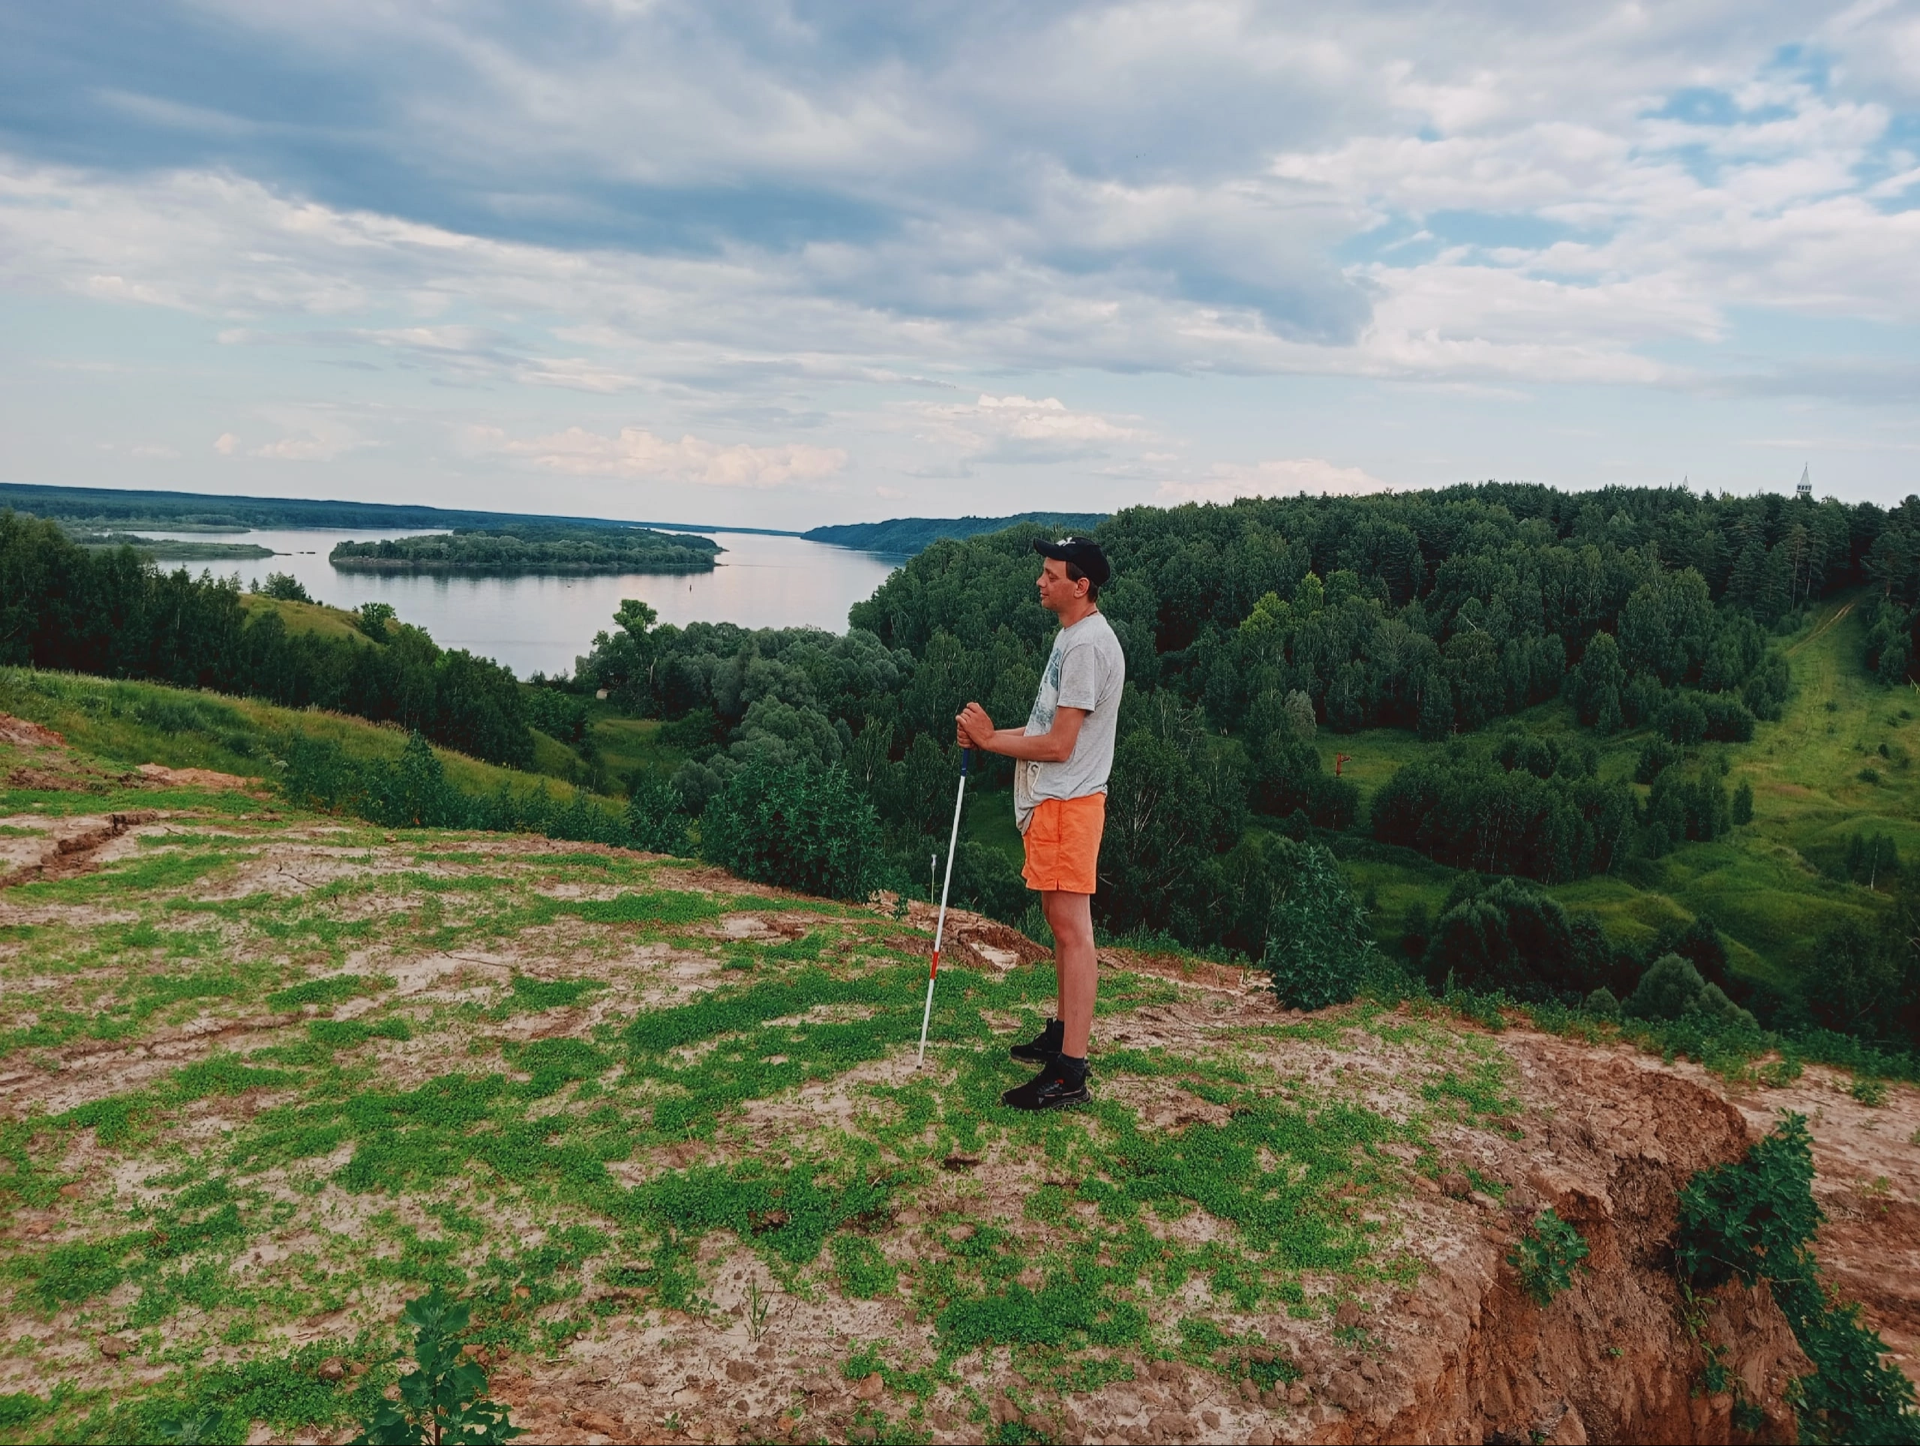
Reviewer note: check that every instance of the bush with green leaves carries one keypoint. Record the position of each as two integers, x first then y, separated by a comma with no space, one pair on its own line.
796,827
1546,1257
445,1399
1320,947
655,820
285,587
1672,988
1754,1220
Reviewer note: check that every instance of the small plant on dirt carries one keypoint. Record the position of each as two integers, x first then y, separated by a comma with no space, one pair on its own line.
1546,1257
1870,1092
191,1428
445,1400
759,1303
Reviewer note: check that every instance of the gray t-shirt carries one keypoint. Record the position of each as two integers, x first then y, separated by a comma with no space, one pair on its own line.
1086,669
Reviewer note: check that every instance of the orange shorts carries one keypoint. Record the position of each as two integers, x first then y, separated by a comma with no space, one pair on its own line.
1063,843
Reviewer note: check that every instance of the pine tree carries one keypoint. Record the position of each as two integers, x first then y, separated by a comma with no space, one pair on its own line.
1743,584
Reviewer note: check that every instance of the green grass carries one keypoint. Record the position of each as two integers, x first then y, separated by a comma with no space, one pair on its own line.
628,744
437,1053
125,724
302,617
411,1129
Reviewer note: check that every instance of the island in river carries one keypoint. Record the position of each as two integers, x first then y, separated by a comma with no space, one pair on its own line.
532,549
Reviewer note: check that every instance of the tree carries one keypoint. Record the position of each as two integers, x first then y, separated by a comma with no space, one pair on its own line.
1856,988
1743,803
1596,684
285,587
1505,936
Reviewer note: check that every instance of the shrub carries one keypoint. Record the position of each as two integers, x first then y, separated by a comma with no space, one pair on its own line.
1546,1256
557,714
1320,948
1743,803
1754,1219
984,878
1672,988
655,820
795,827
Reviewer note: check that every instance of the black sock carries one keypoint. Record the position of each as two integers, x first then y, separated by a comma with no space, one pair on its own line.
1073,1069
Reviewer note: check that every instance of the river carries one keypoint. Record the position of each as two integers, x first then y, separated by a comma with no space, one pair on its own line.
541,624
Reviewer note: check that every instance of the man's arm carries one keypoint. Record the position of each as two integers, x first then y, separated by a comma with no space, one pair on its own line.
974,729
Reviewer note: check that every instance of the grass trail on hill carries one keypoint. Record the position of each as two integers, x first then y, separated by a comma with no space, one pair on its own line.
266,1076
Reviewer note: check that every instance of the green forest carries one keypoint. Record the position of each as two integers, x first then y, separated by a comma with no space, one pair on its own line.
1635,749
551,548
907,535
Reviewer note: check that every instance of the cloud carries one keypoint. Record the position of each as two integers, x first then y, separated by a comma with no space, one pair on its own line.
1017,429
845,218
639,454
1313,475
153,449
225,444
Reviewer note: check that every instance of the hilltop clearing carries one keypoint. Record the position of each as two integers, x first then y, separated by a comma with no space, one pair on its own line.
266,1075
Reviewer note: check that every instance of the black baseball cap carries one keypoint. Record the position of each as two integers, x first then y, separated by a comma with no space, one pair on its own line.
1083,552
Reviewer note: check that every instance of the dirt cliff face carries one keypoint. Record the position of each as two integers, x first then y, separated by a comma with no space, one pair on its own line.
1622,1356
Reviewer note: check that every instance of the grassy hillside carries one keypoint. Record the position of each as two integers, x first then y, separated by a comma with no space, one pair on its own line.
269,1075
308,617
124,724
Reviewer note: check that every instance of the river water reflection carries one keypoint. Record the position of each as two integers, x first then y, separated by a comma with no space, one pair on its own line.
543,623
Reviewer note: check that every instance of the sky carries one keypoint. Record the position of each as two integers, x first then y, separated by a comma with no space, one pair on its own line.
788,262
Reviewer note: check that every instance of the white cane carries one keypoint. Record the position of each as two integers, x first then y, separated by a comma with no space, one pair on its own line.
940,927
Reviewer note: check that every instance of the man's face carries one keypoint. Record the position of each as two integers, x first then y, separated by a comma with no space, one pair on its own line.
1057,591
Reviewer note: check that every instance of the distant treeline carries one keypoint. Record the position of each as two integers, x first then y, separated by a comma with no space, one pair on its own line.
907,535
115,614
532,549
113,507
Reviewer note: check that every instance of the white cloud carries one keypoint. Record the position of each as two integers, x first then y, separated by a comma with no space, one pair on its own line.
1314,475
831,209
1016,428
154,449
225,444
639,454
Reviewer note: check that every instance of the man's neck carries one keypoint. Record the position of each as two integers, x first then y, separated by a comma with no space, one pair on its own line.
1078,613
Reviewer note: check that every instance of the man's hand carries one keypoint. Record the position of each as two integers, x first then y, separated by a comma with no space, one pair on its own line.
972,727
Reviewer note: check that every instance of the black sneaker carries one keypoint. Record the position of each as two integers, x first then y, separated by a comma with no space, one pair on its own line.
1051,1089
1043,1046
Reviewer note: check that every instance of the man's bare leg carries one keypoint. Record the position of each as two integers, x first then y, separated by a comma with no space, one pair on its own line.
1070,916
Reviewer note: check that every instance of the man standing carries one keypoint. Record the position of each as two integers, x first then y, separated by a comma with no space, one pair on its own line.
1063,757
